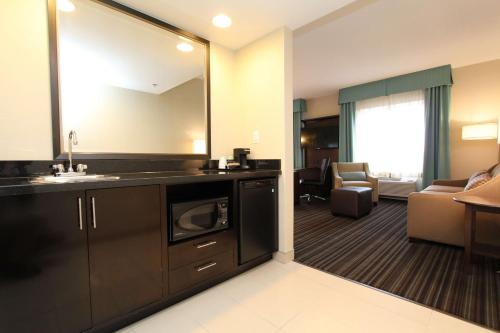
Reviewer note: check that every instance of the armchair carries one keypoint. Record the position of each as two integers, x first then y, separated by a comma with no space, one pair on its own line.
355,174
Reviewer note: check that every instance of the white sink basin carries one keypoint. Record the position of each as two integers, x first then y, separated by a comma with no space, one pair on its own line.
72,179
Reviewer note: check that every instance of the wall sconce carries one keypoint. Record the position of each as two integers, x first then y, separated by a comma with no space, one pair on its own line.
488,131
199,146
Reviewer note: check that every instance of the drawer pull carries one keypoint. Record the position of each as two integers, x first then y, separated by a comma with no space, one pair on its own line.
202,268
200,246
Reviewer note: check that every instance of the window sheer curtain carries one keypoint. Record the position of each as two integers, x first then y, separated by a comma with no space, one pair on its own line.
390,134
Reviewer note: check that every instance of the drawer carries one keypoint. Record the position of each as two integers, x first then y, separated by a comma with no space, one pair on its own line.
201,271
197,249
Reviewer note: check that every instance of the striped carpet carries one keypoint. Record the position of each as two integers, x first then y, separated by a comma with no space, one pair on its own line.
374,251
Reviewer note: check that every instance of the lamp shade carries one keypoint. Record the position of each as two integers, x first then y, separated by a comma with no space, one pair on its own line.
488,131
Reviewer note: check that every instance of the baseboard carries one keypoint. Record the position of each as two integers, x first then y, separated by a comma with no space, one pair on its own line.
284,257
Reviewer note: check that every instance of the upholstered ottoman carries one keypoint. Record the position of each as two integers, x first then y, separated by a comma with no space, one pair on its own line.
351,201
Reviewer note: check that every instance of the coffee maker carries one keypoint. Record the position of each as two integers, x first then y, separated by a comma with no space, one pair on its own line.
240,156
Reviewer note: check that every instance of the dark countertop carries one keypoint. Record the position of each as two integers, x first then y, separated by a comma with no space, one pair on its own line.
24,185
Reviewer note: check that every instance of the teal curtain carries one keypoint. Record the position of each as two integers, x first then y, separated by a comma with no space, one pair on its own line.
437,134
436,82
299,107
346,131
434,77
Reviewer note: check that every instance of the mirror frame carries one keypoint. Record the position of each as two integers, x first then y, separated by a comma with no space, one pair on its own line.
57,137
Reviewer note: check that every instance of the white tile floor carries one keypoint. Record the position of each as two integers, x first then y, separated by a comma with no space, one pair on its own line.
277,297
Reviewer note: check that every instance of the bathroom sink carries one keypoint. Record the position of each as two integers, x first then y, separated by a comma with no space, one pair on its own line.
72,179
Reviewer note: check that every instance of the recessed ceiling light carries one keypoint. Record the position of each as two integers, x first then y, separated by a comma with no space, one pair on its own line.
222,21
65,6
184,47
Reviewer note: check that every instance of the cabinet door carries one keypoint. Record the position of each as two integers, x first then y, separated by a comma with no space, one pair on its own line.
44,276
124,250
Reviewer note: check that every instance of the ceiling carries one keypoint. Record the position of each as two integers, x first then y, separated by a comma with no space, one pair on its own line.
101,45
374,39
252,19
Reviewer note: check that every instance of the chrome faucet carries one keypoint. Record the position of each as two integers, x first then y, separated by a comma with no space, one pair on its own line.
58,169
72,140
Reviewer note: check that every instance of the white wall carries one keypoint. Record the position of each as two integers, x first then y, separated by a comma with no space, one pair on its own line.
25,115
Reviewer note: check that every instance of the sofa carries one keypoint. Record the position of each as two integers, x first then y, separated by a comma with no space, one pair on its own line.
433,215
354,174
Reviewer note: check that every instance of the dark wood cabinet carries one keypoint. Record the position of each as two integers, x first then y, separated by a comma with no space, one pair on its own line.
200,260
200,248
201,271
95,260
125,246
44,276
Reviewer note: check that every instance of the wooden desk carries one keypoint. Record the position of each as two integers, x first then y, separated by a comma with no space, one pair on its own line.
474,204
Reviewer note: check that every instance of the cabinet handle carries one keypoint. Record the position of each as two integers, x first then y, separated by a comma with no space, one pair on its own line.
80,219
202,268
210,243
94,221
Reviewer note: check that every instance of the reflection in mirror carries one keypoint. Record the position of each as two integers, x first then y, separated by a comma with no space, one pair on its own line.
127,86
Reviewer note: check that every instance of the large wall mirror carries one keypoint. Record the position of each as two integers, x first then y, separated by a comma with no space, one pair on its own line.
130,86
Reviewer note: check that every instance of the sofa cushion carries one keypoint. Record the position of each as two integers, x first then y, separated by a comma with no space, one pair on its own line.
435,193
495,171
477,179
350,167
353,176
478,173
356,184
443,189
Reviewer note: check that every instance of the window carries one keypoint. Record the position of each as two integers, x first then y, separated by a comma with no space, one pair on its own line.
390,134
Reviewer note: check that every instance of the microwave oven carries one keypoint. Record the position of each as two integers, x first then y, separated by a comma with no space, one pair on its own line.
189,219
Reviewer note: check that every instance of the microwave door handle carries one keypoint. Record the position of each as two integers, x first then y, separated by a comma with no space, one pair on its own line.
219,210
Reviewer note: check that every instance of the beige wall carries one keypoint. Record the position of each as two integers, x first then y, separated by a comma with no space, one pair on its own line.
475,98
158,123
225,115
265,94
25,115
185,119
252,91
322,106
